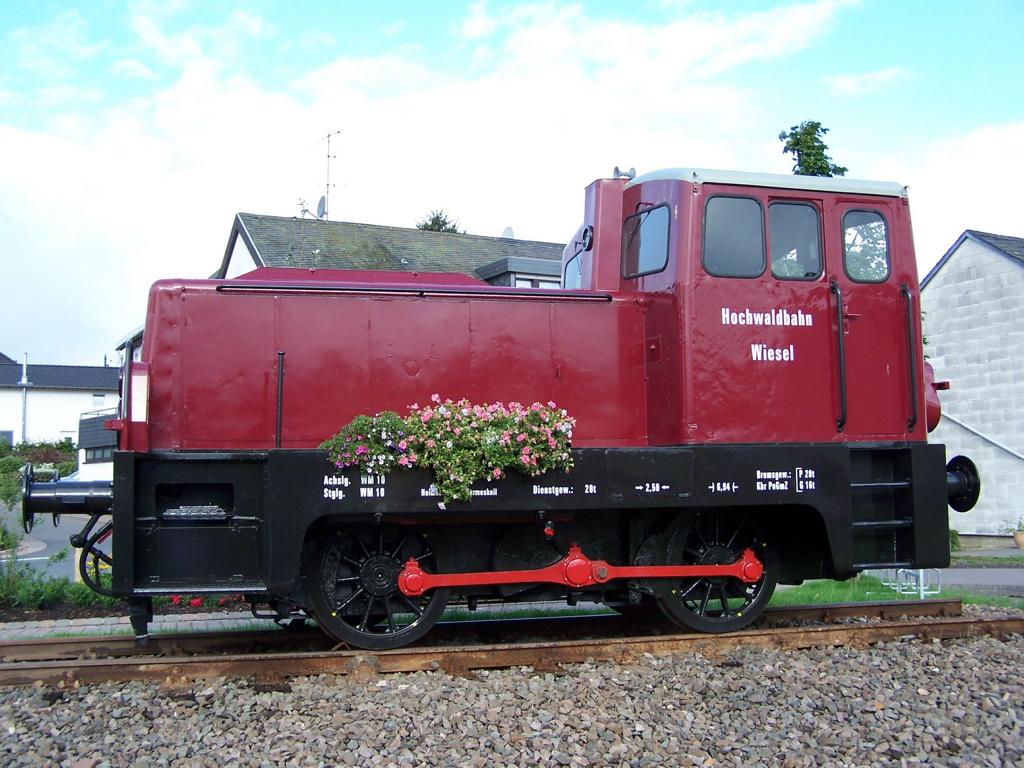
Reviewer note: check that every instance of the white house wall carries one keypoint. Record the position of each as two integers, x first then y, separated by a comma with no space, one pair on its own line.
52,414
974,325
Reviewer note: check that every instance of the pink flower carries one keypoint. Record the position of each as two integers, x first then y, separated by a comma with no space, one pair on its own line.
404,461
551,442
458,430
436,398
430,442
412,457
361,449
402,445
520,437
496,473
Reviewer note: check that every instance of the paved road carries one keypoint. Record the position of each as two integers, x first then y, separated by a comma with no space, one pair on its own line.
993,577
44,541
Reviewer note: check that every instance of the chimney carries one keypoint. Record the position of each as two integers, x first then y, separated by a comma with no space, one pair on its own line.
24,371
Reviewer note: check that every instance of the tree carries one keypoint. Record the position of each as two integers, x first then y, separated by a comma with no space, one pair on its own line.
438,221
810,153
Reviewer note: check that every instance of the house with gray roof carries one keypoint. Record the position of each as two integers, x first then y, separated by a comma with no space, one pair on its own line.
973,307
45,402
256,240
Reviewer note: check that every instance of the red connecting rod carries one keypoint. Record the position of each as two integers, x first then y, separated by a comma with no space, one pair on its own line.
575,570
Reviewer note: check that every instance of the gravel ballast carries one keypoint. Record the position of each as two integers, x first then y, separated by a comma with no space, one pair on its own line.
907,703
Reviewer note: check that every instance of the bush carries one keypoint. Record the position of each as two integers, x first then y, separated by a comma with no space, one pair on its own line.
67,468
23,587
9,464
954,540
46,452
8,540
79,594
61,456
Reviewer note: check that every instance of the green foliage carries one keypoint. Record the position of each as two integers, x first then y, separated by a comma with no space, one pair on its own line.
10,488
8,539
438,221
24,587
46,452
60,456
375,443
805,142
66,468
460,442
954,540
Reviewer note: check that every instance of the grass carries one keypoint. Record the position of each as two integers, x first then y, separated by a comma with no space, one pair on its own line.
861,589
987,561
865,588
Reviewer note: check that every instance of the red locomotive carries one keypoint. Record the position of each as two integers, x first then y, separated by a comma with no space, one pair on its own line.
742,355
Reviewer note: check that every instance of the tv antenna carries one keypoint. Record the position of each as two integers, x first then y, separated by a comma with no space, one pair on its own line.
323,208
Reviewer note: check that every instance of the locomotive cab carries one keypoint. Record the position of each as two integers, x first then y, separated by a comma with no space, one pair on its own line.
779,308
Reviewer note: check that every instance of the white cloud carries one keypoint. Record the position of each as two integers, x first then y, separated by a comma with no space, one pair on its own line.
967,181
864,82
478,24
134,69
53,50
147,188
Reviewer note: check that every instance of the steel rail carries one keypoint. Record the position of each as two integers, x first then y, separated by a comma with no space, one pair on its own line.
481,630
463,660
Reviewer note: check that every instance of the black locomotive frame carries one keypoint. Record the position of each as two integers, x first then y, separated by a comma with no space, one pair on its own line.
238,521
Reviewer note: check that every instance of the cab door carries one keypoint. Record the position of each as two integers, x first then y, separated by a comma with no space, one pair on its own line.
868,304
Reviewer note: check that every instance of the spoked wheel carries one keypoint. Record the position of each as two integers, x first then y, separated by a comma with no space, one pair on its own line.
352,584
721,603
95,557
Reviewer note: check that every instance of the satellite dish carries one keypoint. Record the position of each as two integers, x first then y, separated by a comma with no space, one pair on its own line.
507,234
321,207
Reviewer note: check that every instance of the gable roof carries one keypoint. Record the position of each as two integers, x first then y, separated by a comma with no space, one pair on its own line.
91,433
5,359
95,377
1012,247
292,242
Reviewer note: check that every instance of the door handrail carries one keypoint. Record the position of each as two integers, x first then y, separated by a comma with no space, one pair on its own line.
911,349
841,421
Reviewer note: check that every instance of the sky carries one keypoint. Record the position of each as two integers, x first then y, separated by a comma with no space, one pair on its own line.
132,132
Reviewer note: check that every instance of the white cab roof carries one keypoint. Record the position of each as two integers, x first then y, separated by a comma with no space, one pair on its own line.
741,178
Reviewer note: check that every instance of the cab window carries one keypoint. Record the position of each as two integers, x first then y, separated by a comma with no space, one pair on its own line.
733,237
866,246
573,277
795,233
645,241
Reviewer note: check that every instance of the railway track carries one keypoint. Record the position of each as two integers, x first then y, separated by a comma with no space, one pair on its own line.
461,647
